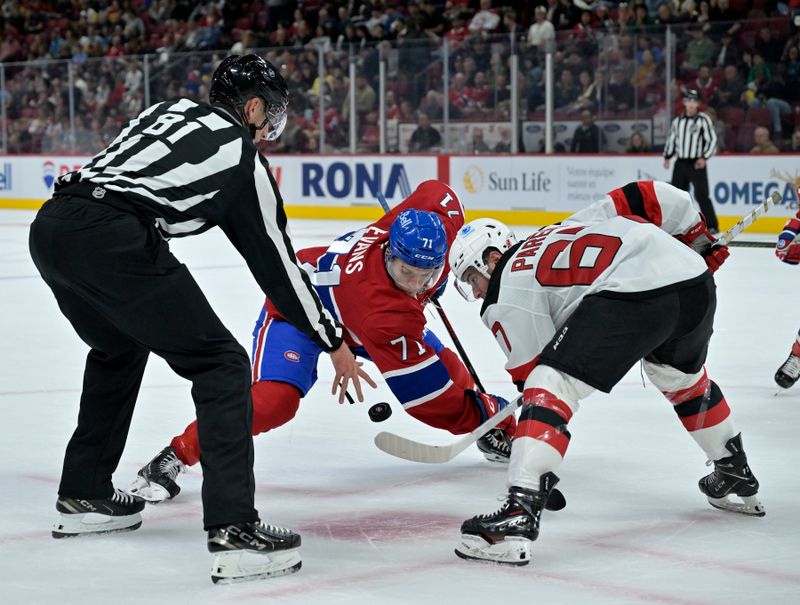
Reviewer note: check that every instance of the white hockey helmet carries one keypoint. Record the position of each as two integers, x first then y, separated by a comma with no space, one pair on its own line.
473,240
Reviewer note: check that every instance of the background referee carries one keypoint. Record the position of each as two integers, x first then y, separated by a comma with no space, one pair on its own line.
692,138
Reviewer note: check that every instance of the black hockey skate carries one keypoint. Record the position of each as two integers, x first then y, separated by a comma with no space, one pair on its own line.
119,512
504,537
789,372
496,446
732,475
250,551
156,480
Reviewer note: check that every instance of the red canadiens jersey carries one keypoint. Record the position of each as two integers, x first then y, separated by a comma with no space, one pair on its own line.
622,243
351,278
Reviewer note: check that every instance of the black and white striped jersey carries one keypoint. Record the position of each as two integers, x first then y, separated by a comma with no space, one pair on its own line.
187,167
691,137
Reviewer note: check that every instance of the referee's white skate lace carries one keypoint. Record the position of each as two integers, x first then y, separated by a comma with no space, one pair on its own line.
124,498
281,531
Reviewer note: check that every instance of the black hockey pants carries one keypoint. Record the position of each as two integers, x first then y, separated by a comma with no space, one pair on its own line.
125,294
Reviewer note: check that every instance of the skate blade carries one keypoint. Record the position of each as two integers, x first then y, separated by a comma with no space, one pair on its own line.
496,458
243,566
514,552
750,506
89,524
153,493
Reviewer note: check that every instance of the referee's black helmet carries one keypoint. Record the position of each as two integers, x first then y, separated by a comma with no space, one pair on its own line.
240,78
691,94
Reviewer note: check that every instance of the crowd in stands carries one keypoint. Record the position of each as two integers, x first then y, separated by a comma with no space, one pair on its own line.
609,63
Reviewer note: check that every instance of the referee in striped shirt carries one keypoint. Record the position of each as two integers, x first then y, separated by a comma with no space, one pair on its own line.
178,169
693,140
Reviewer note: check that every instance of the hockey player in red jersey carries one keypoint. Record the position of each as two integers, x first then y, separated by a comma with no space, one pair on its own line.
787,250
574,307
376,282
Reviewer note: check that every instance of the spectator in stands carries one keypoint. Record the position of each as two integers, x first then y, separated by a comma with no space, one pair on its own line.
461,103
637,144
425,138
504,144
566,91
646,66
365,98
793,73
620,92
500,96
730,90
724,18
541,30
728,52
370,137
563,14
768,46
664,15
762,142
704,84
699,51
588,137
486,20
641,17
625,17
586,96
433,22
432,104
651,93
478,144
703,16
773,95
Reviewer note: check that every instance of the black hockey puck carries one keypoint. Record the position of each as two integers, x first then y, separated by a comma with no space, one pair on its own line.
380,412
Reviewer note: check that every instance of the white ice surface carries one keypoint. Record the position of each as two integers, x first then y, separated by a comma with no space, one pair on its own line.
379,530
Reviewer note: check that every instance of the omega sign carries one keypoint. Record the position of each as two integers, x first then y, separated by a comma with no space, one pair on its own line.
475,180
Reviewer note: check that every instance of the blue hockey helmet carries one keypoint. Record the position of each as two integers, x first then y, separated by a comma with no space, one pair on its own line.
419,239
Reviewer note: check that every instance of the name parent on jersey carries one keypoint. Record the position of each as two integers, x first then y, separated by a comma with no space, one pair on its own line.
100,243
573,308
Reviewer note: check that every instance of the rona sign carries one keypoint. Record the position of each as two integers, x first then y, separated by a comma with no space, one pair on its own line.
357,180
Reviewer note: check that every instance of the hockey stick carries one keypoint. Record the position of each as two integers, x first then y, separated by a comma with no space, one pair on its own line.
752,244
408,449
748,220
449,327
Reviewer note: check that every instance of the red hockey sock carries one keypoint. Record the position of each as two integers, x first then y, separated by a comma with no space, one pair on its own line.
187,445
274,404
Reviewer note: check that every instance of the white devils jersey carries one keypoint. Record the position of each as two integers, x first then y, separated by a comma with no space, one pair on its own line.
613,245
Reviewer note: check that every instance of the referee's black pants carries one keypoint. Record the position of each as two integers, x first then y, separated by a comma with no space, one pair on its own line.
685,173
125,294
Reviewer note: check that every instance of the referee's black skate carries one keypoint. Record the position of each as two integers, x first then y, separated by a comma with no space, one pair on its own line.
117,513
732,476
495,446
156,479
789,372
504,537
251,551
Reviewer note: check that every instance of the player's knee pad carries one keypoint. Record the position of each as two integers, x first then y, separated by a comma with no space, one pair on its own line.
274,404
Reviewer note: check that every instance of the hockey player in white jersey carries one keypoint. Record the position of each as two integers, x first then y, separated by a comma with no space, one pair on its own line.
574,307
